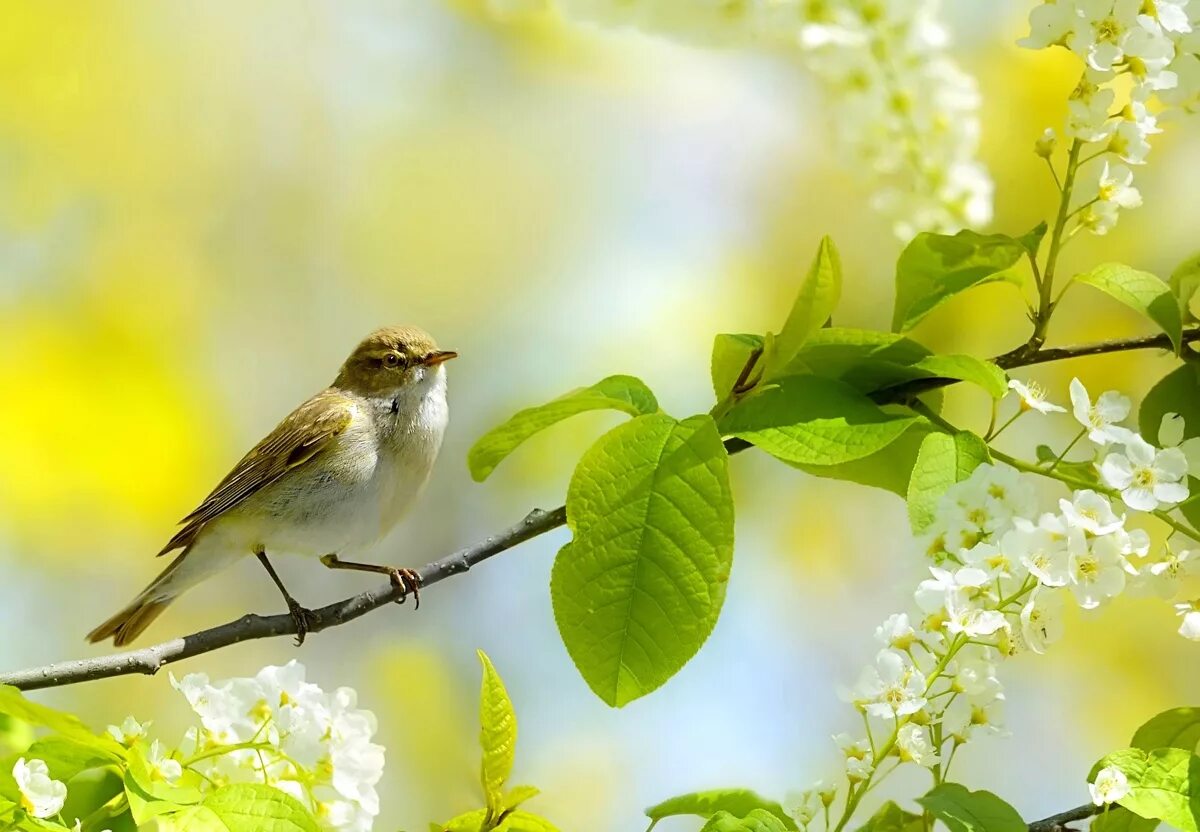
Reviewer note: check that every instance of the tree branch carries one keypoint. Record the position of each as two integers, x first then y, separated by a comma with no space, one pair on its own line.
1057,823
148,660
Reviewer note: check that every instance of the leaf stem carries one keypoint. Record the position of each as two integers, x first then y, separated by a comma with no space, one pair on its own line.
1045,302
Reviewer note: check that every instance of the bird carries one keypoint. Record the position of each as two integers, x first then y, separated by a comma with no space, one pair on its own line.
330,480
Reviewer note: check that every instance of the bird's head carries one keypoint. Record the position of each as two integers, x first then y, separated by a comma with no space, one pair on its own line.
389,359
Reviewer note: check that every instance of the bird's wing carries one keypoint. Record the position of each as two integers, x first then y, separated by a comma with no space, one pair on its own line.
306,432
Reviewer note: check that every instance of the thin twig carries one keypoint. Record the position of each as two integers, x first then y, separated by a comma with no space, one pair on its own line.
149,660
1056,823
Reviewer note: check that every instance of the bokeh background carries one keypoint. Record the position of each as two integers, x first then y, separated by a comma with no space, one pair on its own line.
204,206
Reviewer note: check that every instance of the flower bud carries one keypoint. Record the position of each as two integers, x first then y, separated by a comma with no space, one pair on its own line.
1046,143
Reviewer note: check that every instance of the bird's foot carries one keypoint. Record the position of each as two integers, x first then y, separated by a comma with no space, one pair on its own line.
408,582
304,619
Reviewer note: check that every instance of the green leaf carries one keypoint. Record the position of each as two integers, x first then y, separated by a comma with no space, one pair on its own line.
518,795
935,267
624,393
497,735
519,821
639,588
1164,784
729,356
1140,291
13,703
942,461
967,368
758,820
819,295
190,819
813,421
1177,392
1185,280
889,469
865,359
963,810
257,807
1120,819
891,818
1176,728
737,802
67,757
1031,240
467,822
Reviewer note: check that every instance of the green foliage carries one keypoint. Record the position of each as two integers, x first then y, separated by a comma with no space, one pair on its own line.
497,735
730,354
242,807
1120,819
1176,728
935,267
819,294
736,802
967,368
963,810
891,818
865,359
1184,282
624,393
1164,784
758,820
814,421
1141,291
639,588
1031,240
888,469
498,739
15,705
942,461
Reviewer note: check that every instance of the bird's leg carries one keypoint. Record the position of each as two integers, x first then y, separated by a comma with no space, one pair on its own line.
405,580
303,618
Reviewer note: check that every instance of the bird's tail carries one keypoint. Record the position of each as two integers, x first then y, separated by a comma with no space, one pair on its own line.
129,623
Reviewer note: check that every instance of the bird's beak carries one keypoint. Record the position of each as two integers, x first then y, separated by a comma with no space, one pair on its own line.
438,357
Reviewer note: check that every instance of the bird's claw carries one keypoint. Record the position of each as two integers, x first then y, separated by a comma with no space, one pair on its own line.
407,581
304,619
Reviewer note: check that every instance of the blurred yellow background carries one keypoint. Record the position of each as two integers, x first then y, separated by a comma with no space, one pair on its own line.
204,206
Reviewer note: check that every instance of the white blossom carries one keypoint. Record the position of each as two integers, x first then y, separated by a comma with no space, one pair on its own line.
1100,418
1147,478
914,746
1189,627
892,688
1097,571
1041,620
1109,786
1091,513
1170,435
896,632
41,796
162,766
129,731
1033,397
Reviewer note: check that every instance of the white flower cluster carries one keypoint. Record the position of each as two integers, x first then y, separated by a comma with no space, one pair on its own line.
1003,566
1154,43
907,112
287,732
904,111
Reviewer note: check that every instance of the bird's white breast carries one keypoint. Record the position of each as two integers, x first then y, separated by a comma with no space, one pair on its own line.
353,494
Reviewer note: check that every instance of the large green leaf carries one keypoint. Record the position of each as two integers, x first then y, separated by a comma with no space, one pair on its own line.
1177,392
257,807
942,461
467,822
819,294
520,821
497,735
891,818
966,368
737,802
624,393
759,820
889,469
935,267
814,421
67,757
963,810
1141,291
729,356
639,588
1164,784
1185,280
1176,728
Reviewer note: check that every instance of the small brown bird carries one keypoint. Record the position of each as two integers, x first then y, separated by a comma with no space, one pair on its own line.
332,478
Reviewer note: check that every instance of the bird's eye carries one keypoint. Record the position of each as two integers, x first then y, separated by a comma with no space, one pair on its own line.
391,359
